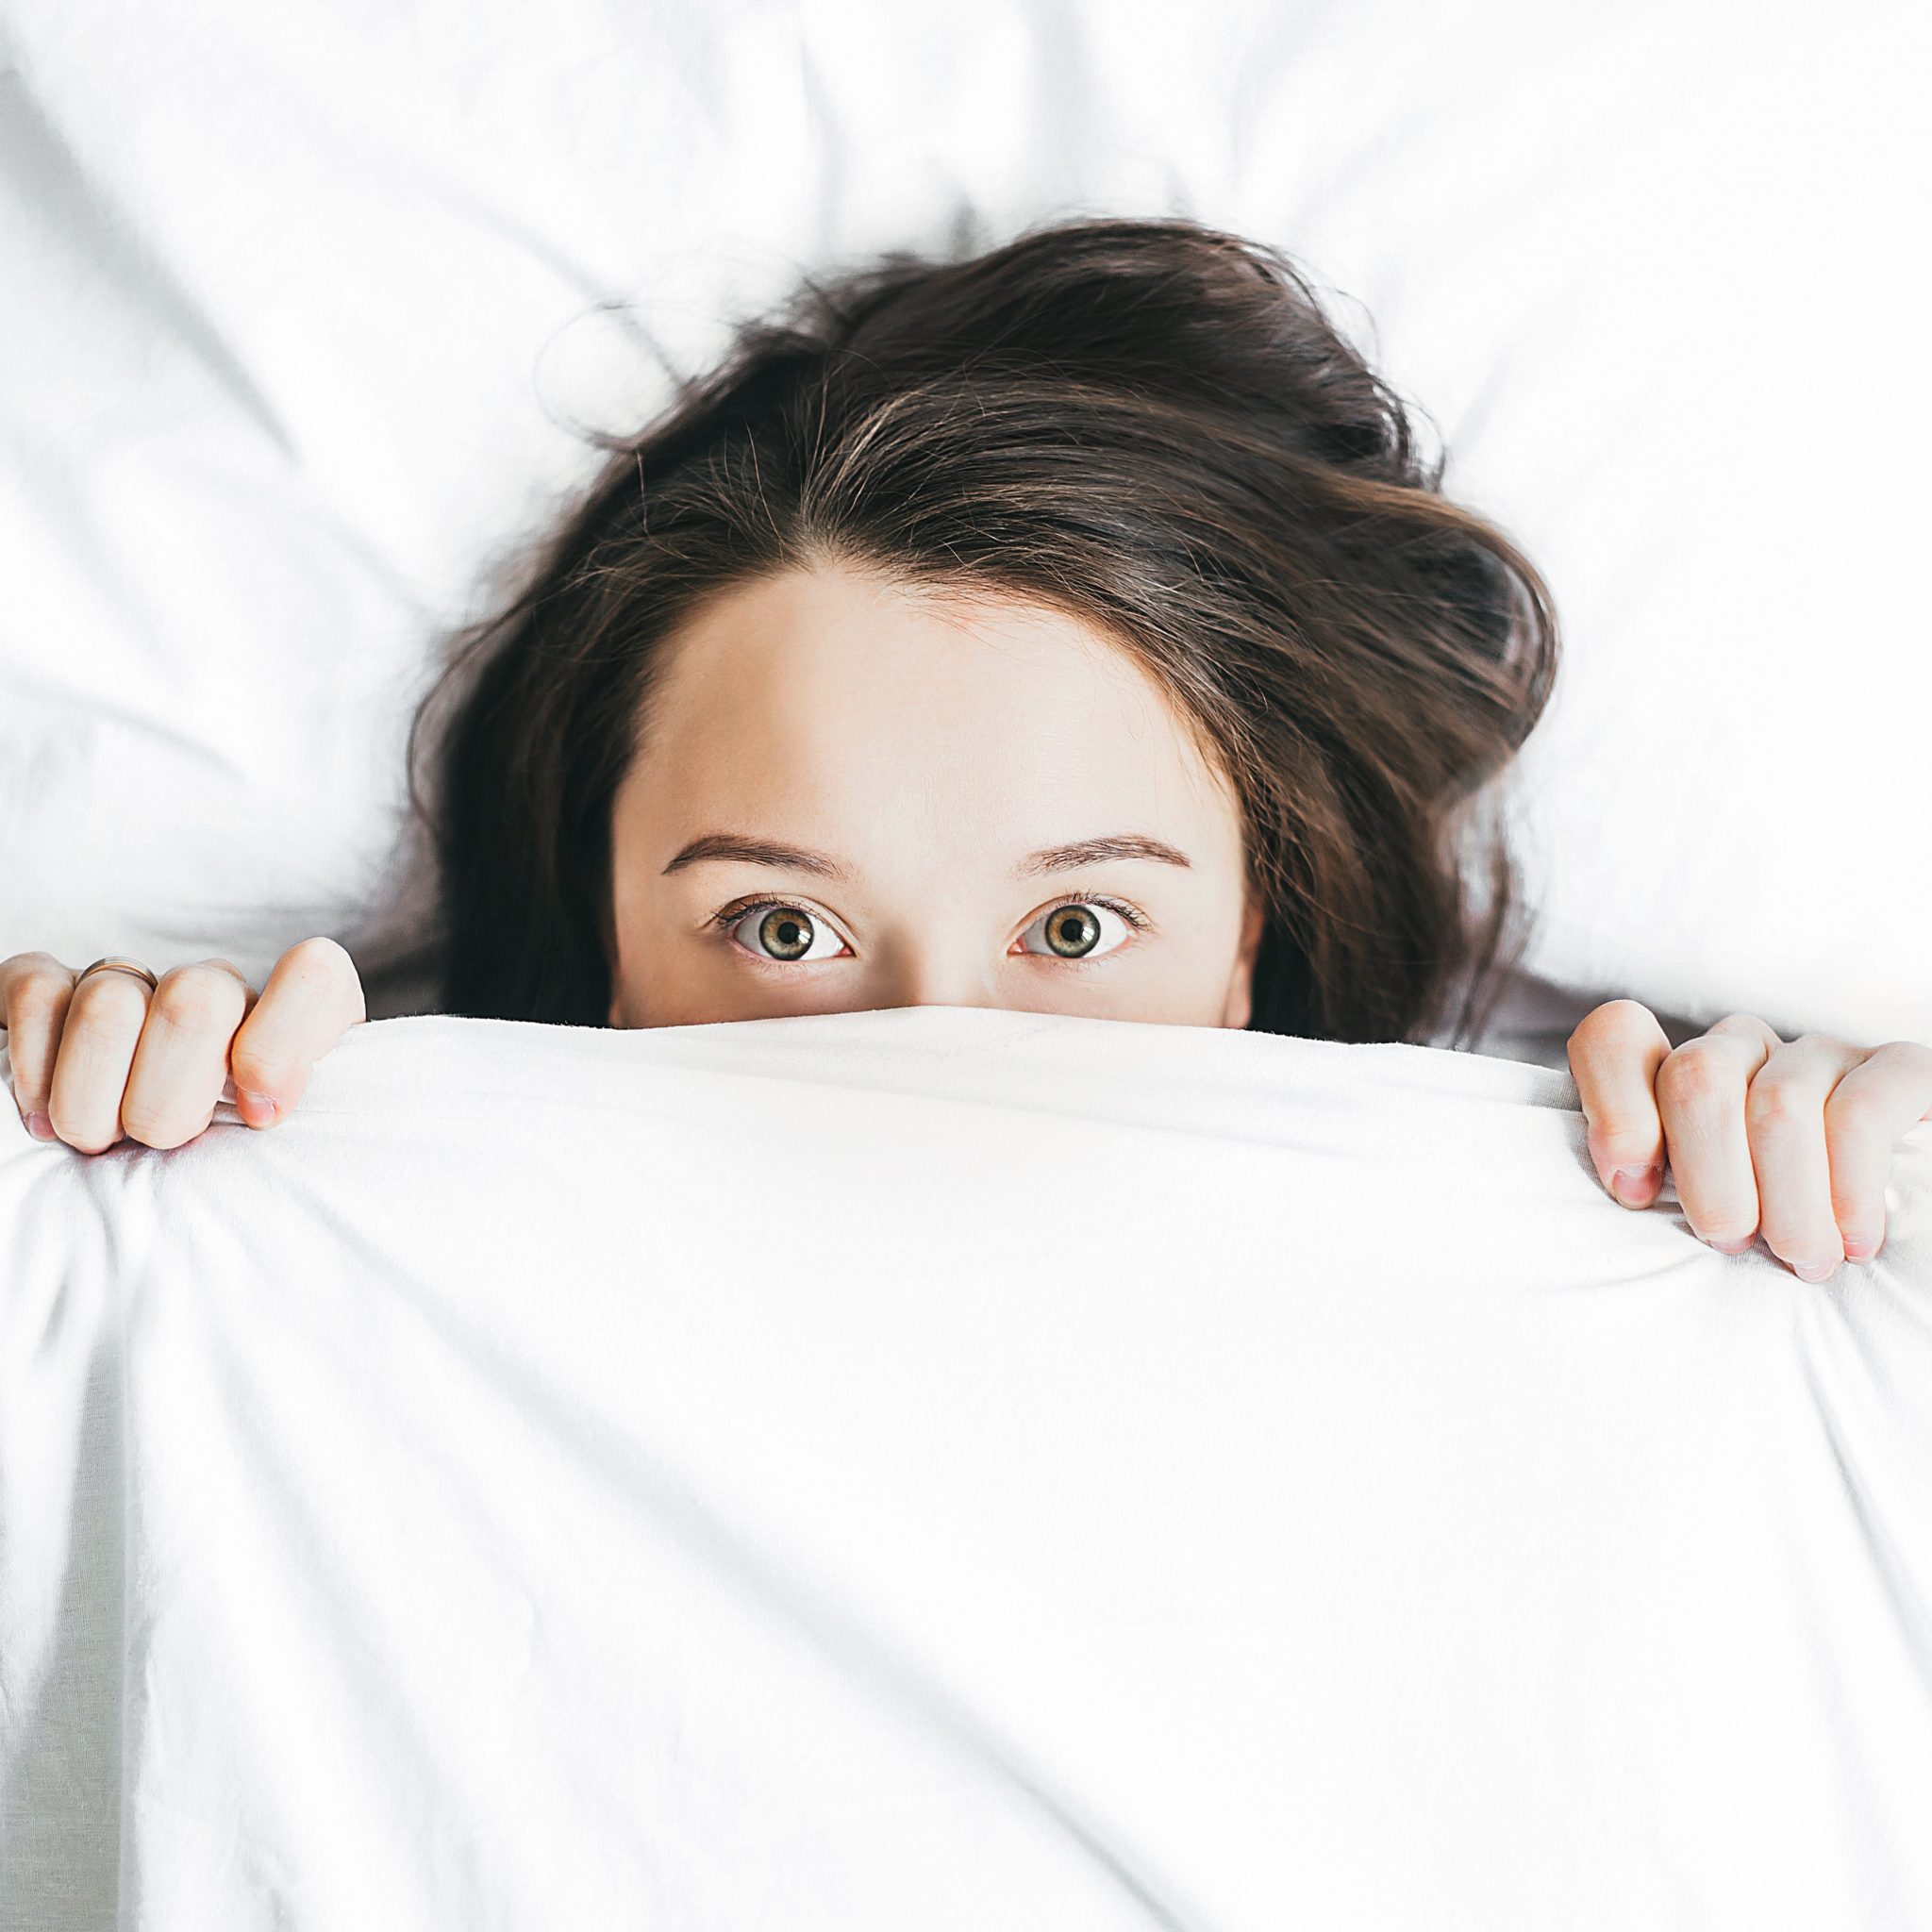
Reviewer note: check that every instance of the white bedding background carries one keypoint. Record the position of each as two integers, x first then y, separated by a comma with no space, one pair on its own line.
947,1468
306,305
950,1467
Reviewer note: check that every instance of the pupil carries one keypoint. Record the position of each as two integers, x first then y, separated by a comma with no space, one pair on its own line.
783,931
1072,924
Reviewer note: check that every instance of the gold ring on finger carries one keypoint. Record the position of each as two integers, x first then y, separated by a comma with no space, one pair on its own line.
114,963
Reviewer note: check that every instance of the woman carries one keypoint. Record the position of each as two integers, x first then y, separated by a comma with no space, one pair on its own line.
1075,628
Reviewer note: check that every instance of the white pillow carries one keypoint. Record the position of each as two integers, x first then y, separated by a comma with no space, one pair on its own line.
948,1468
306,304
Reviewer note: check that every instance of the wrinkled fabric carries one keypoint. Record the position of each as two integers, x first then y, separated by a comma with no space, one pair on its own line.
946,1467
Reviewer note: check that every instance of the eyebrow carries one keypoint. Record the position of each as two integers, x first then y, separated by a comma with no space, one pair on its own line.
739,850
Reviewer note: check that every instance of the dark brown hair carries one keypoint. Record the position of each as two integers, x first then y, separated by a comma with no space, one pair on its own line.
1149,424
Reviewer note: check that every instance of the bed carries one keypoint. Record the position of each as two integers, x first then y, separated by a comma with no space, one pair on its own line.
949,1467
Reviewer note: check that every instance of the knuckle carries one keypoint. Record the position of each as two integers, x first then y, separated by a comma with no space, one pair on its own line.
1693,1079
319,959
26,966
1623,1012
325,967
1612,1019
1774,1101
108,1001
198,1000
1907,1056
48,982
36,1002
1855,1113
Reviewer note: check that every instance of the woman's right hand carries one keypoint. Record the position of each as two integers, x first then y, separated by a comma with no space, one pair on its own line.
109,1057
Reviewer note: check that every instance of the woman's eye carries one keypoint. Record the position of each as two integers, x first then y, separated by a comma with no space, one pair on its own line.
1074,932
784,933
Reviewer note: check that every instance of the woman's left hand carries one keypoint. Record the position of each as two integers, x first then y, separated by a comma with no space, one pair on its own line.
1792,1140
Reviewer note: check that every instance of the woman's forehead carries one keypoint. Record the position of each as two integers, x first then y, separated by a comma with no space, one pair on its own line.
813,673
913,738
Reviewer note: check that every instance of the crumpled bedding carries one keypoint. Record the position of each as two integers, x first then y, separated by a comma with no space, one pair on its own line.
946,1467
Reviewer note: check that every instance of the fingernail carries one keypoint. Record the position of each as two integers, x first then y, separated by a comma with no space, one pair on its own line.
1859,1249
1814,1270
1732,1247
259,1102
1634,1186
40,1126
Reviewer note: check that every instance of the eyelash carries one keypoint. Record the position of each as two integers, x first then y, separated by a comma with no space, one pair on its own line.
728,916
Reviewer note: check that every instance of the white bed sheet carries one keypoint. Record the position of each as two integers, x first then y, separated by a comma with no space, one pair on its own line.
946,1467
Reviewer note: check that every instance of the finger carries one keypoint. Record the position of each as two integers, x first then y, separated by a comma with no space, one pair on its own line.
1700,1092
182,1056
1877,1101
35,988
105,1012
1614,1056
313,996
1784,1116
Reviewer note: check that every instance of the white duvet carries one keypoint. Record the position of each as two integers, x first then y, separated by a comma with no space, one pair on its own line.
947,1468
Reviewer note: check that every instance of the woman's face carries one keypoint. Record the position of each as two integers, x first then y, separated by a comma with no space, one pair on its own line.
856,796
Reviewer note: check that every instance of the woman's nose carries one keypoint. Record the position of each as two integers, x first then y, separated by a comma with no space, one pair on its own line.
934,983
933,994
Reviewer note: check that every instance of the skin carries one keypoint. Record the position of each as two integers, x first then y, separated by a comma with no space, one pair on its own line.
1791,1139
790,709
791,706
